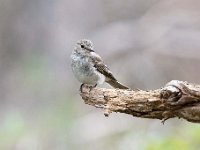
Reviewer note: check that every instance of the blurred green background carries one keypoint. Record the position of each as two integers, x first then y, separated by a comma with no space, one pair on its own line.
144,43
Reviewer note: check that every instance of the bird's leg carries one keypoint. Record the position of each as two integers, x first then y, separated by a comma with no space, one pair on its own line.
81,87
92,87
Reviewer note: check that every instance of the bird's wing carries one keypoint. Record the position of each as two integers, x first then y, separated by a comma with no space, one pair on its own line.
101,67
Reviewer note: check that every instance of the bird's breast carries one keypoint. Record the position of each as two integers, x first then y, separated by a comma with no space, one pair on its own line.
84,70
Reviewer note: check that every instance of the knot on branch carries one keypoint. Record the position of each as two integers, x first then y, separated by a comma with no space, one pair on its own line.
178,93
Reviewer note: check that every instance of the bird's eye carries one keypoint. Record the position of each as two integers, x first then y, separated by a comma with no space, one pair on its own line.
82,46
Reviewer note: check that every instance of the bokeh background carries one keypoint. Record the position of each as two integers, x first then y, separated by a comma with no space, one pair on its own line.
145,43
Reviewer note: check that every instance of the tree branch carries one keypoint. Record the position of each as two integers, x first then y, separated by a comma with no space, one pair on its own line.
177,99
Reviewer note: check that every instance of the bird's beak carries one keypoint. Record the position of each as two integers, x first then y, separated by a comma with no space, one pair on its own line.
90,50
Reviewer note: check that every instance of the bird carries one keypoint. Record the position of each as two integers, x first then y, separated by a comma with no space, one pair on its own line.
89,68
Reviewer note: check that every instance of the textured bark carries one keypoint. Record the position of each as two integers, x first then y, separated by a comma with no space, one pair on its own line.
176,99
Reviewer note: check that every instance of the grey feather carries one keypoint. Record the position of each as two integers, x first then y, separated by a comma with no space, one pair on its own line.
116,84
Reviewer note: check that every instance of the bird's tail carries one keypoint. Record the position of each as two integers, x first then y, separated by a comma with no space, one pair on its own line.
116,84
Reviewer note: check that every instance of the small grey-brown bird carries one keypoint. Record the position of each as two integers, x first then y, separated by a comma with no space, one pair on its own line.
89,68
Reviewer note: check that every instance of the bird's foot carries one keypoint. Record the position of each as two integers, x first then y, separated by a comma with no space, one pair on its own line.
92,87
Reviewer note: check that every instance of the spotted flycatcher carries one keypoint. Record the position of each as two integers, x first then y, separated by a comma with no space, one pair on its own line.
89,68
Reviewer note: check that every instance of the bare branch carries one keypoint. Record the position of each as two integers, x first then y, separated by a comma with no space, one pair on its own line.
176,99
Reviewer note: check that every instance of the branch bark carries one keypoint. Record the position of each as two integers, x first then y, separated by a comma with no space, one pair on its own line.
177,99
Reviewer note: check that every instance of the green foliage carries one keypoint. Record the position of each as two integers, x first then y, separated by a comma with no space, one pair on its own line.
186,138
168,143
12,128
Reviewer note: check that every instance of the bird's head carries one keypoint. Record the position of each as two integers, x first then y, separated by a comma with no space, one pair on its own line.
84,45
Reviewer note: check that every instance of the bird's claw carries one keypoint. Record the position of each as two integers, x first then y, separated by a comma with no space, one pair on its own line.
81,88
